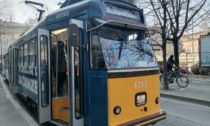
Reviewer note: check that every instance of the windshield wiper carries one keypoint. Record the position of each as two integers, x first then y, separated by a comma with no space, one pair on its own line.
120,49
122,38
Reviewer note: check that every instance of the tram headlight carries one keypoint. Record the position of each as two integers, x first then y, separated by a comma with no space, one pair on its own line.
117,110
141,99
157,100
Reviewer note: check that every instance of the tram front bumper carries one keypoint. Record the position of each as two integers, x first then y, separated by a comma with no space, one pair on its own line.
148,120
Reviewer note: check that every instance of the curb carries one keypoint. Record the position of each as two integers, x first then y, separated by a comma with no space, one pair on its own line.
186,99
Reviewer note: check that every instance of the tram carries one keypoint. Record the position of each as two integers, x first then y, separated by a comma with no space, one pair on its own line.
89,63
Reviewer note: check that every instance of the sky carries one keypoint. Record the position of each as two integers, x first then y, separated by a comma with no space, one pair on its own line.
22,12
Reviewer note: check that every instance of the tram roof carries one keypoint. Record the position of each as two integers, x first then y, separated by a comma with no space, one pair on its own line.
75,10
95,11
98,13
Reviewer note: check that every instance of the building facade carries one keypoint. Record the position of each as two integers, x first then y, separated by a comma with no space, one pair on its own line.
188,48
9,33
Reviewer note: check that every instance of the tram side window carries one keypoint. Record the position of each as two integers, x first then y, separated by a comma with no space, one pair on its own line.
44,71
21,55
97,59
31,49
36,51
25,50
44,50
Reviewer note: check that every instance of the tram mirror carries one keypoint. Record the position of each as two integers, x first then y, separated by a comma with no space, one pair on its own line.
73,35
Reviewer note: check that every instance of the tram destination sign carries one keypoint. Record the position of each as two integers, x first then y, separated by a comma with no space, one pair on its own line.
122,12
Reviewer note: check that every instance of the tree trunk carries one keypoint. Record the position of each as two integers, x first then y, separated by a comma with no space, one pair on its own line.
165,64
176,50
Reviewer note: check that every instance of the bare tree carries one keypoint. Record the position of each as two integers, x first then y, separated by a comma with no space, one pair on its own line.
2,7
204,20
32,21
174,17
162,18
181,13
4,10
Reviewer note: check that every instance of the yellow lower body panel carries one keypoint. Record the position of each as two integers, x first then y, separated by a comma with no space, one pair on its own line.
122,92
146,120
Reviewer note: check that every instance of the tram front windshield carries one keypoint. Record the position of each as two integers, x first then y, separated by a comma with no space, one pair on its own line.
124,48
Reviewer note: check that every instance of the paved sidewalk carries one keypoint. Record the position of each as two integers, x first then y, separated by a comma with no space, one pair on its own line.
11,114
198,90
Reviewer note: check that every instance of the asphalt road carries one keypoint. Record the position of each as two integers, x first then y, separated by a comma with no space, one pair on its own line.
184,114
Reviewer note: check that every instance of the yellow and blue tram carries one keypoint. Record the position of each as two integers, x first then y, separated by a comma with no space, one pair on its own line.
90,63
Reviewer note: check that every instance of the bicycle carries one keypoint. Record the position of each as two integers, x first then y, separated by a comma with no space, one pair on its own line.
181,80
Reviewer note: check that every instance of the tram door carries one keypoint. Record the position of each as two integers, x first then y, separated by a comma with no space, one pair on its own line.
67,98
10,68
14,88
44,102
75,78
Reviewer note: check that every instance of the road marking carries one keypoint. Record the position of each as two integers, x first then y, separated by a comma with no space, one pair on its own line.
25,115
